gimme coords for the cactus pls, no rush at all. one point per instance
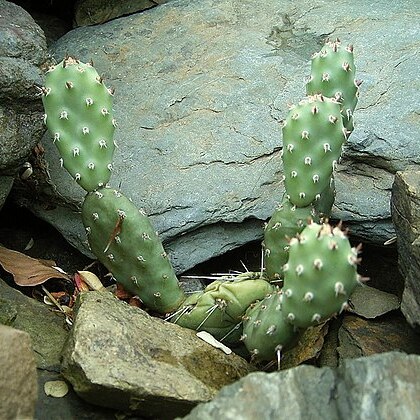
(333, 75)
(266, 333)
(124, 241)
(313, 135)
(286, 222)
(320, 275)
(220, 307)
(78, 114)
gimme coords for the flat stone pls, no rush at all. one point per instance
(199, 101)
(360, 337)
(18, 380)
(369, 302)
(120, 357)
(375, 387)
(405, 207)
(46, 329)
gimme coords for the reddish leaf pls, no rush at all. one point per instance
(27, 271)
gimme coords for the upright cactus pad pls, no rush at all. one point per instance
(78, 114)
(333, 75)
(124, 240)
(220, 307)
(266, 333)
(320, 275)
(285, 223)
(313, 136)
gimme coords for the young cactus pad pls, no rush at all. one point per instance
(220, 307)
(313, 136)
(333, 75)
(320, 275)
(266, 333)
(124, 241)
(78, 114)
(286, 221)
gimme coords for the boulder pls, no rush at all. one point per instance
(379, 386)
(18, 380)
(22, 53)
(406, 216)
(93, 12)
(45, 328)
(200, 93)
(120, 357)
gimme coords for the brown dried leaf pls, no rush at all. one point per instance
(27, 271)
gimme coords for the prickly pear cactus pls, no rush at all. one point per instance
(285, 223)
(266, 333)
(320, 275)
(78, 114)
(125, 242)
(220, 307)
(333, 75)
(313, 136)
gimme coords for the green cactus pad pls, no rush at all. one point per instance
(286, 222)
(220, 307)
(333, 75)
(320, 275)
(78, 114)
(313, 136)
(266, 333)
(124, 241)
(324, 205)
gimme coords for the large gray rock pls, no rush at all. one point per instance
(406, 217)
(18, 380)
(118, 356)
(22, 52)
(200, 90)
(45, 328)
(384, 386)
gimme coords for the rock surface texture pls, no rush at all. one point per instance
(22, 52)
(120, 357)
(384, 386)
(406, 216)
(46, 329)
(18, 380)
(201, 88)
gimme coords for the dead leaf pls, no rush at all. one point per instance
(27, 271)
